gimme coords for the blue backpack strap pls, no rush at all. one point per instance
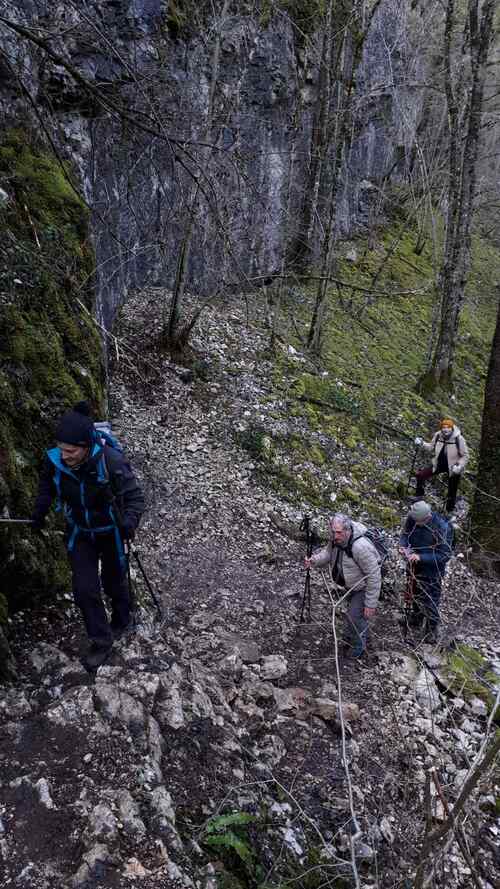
(103, 476)
(103, 435)
(54, 456)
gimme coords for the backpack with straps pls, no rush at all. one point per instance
(378, 541)
(102, 437)
(449, 532)
(380, 544)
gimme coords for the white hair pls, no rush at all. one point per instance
(341, 518)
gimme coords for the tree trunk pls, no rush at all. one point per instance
(486, 507)
(464, 140)
(174, 335)
(300, 249)
(351, 43)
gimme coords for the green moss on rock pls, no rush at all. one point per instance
(468, 672)
(50, 351)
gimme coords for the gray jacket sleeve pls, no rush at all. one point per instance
(323, 556)
(368, 563)
(463, 451)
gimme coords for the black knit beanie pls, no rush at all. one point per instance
(75, 427)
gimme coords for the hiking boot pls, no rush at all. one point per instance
(97, 655)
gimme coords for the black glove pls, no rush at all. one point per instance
(127, 529)
(37, 524)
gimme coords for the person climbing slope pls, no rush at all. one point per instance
(426, 544)
(103, 504)
(355, 565)
(450, 455)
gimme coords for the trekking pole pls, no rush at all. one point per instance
(146, 580)
(411, 470)
(119, 508)
(306, 597)
(131, 591)
(17, 521)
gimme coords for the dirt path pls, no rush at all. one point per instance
(193, 717)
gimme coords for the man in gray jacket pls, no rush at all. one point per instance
(355, 564)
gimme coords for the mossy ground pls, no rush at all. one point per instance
(359, 401)
(470, 676)
(50, 353)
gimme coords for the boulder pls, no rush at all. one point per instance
(426, 691)
(273, 666)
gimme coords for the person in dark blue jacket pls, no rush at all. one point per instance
(103, 504)
(426, 543)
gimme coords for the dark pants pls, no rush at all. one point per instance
(356, 630)
(84, 559)
(425, 600)
(422, 475)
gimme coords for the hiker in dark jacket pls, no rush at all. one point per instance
(426, 545)
(102, 504)
(450, 455)
(354, 563)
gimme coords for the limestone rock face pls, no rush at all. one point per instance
(267, 79)
(135, 164)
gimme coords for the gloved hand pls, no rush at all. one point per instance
(456, 469)
(37, 523)
(419, 441)
(127, 529)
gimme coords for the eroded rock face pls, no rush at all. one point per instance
(136, 181)
(137, 163)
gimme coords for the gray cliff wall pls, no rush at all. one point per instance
(139, 186)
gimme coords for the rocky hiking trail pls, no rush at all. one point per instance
(229, 706)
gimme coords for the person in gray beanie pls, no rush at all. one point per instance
(426, 544)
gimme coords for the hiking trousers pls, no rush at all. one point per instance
(426, 599)
(85, 557)
(422, 475)
(356, 629)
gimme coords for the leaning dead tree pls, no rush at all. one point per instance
(466, 48)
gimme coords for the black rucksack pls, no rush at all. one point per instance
(449, 532)
(377, 539)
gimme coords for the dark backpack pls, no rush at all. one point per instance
(377, 539)
(449, 532)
